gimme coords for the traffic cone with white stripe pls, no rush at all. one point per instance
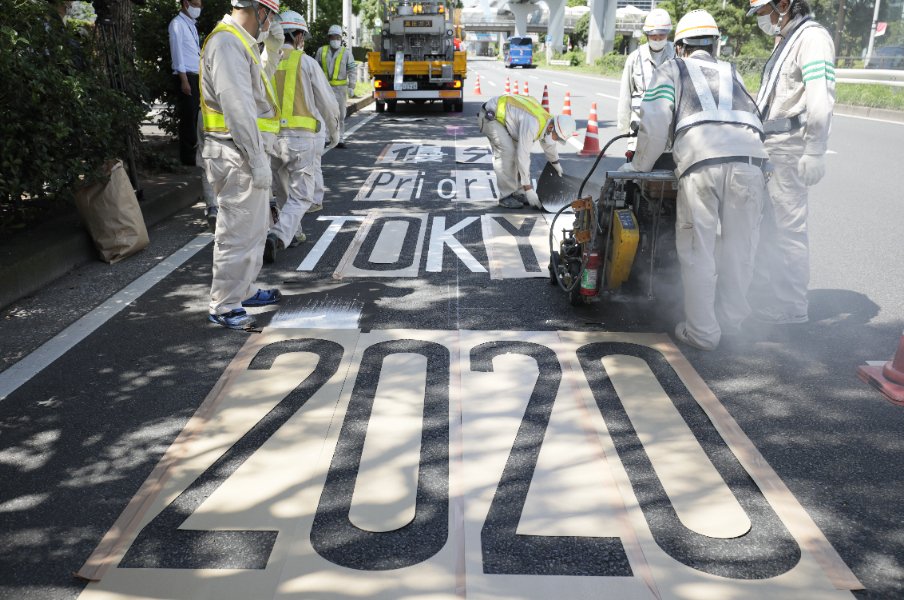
(508, 87)
(517, 93)
(477, 86)
(526, 92)
(888, 378)
(566, 109)
(591, 138)
(545, 101)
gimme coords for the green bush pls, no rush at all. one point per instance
(61, 119)
(612, 64)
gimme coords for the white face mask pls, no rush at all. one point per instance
(656, 45)
(194, 12)
(334, 44)
(764, 22)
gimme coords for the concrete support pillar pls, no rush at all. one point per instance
(555, 34)
(601, 34)
(521, 12)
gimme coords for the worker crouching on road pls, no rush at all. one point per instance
(240, 116)
(718, 149)
(512, 124)
(639, 67)
(307, 108)
(796, 100)
(338, 65)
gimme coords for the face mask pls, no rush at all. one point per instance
(194, 12)
(764, 22)
(334, 44)
(656, 45)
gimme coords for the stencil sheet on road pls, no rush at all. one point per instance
(446, 464)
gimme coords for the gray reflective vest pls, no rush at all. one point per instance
(709, 95)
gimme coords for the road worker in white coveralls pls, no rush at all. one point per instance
(338, 65)
(796, 100)
(639, 68)
(307, 109)
(512, 124)
(240, 116)
(700, 106)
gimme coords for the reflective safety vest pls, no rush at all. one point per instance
(709, 95)
(294, 112)
(526, 103)
(213, 119)
(324, 62)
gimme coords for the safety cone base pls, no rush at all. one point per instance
(872, 376)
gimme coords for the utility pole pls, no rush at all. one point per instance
(839, 26)
(872, 35)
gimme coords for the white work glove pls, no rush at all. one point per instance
(351, 93)
(532, 198)
(557, 167)
(628, 168)
(811, 168)
(261, 177)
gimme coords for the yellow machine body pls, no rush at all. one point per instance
(623, 248)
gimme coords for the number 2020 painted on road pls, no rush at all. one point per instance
(767, 550)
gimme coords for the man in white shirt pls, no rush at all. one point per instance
(339, 67)
(185, 51)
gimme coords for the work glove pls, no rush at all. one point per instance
(261, 177)
(811, 168)
(557, 168)
(532, 198)
(628, 167)
(351, 93)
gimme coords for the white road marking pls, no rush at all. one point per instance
(868, 119)
(18, 374)
(325, 240)
(388, 247)
(607, 96)
(559, 83)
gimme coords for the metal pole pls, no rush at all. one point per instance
(872, 34)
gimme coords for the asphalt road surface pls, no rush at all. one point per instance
(424, 416)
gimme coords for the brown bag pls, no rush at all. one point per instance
(111, 213)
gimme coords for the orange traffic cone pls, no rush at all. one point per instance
(566, 109)
(591, 138)
(477, 86)
(526, 92)
(508, 88)
(517, 93)
(545, 101)
(889, 378)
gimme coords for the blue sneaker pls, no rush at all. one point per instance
(234, 319)
(263, 298)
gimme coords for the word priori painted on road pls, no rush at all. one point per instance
(406, 185)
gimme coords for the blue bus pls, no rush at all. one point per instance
(518, 52)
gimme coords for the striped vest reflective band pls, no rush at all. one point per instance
(526, 103)
(709, 95)
(294, 112)
(213, 119)
(324, 60)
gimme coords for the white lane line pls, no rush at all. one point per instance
(356, 127)
(21, 372)
(838, 114)
(607, 96)
(492, 83)
(559, 83)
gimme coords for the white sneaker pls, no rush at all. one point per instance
(682, 335)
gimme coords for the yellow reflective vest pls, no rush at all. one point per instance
(526, 103)
(294, 112)
(213, 119)
(324, 62)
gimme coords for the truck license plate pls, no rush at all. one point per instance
(408, 85)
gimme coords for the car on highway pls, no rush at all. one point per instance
(887, 57)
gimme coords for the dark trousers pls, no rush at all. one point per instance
(187, 109)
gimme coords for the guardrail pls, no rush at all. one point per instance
(870, 76)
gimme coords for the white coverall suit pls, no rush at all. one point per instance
(296, 170)
(231, 84)
(341, 80)
(796, 100)
(512, 142)
(636, 77)
(719, 156)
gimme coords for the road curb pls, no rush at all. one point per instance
(358, 104)
(883, 114)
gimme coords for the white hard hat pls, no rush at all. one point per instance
(756, 4)
(697, 24)
(564, 126)
(292, 21)
(271, 4)
(334, 30)
(658, 21)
